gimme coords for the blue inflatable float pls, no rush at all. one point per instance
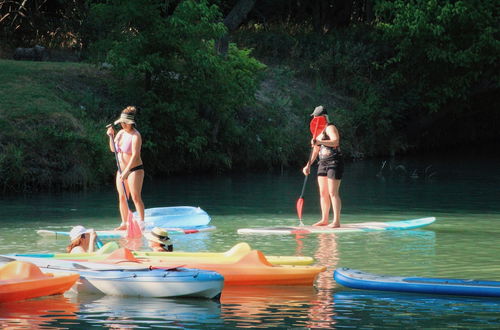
(175, 217)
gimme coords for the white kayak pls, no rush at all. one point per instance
(117, 234)
(134, 280)
(344, 228)
(160, 283)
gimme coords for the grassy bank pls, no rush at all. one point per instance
(51, 126)
(53, 114)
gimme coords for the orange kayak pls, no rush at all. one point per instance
(252, 269)
(21, 280)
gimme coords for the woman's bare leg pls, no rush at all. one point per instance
(324, 199)
(333, 189)
(135, 181)
(122, 203)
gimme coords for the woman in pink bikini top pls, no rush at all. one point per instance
(128, 143)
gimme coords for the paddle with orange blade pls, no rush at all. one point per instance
(317, 125)
(133, 228)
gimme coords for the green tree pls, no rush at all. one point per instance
(190, 95)
(445, 53)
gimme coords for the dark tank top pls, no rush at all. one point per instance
(327, 154)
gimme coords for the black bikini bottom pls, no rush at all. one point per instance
(137, 168)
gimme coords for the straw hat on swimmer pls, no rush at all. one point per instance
(158, 240)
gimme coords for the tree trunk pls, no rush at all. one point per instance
(232, 21)
(147, 81)
(342, 10)
(369, 11)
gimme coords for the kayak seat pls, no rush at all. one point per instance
(122, 254)
(255, 257)
(239, 249)
(108, 248)
(20, 270)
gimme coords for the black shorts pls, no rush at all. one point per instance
(333, 169)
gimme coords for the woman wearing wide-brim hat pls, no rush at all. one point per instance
(330, 169)
(158, 240)
(128, 143)
(81, 240)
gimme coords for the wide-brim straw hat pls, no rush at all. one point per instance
(126, 118)
(158, 235)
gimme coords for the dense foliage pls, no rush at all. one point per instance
(190, 95)
(418, 75)
(396, 75)
(445, 62)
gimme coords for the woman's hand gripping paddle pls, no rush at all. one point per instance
(317, 125)
(133, 228)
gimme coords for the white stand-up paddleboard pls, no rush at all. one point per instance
(344, 228)
(175, 219)
(116, 234)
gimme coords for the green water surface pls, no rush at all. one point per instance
(463, 194)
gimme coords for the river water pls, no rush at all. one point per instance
(461, 192)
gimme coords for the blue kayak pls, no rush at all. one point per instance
(175, 216)
(366, 281)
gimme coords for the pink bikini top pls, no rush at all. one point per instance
(125, 143)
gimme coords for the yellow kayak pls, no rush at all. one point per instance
(232, 255)
(252, 269)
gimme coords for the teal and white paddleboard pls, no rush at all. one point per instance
(347, 228)
(117, 234)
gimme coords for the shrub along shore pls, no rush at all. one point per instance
(218, 92)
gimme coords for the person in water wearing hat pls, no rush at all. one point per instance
(330, 169)
(159, 241)
(128, 143)
(82, 240)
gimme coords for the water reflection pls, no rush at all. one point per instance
(130, 312)
(380, 309)
(38, 313)
(288, 306)
(266, 306)
(322, 312)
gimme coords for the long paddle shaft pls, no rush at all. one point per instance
(317, 123)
